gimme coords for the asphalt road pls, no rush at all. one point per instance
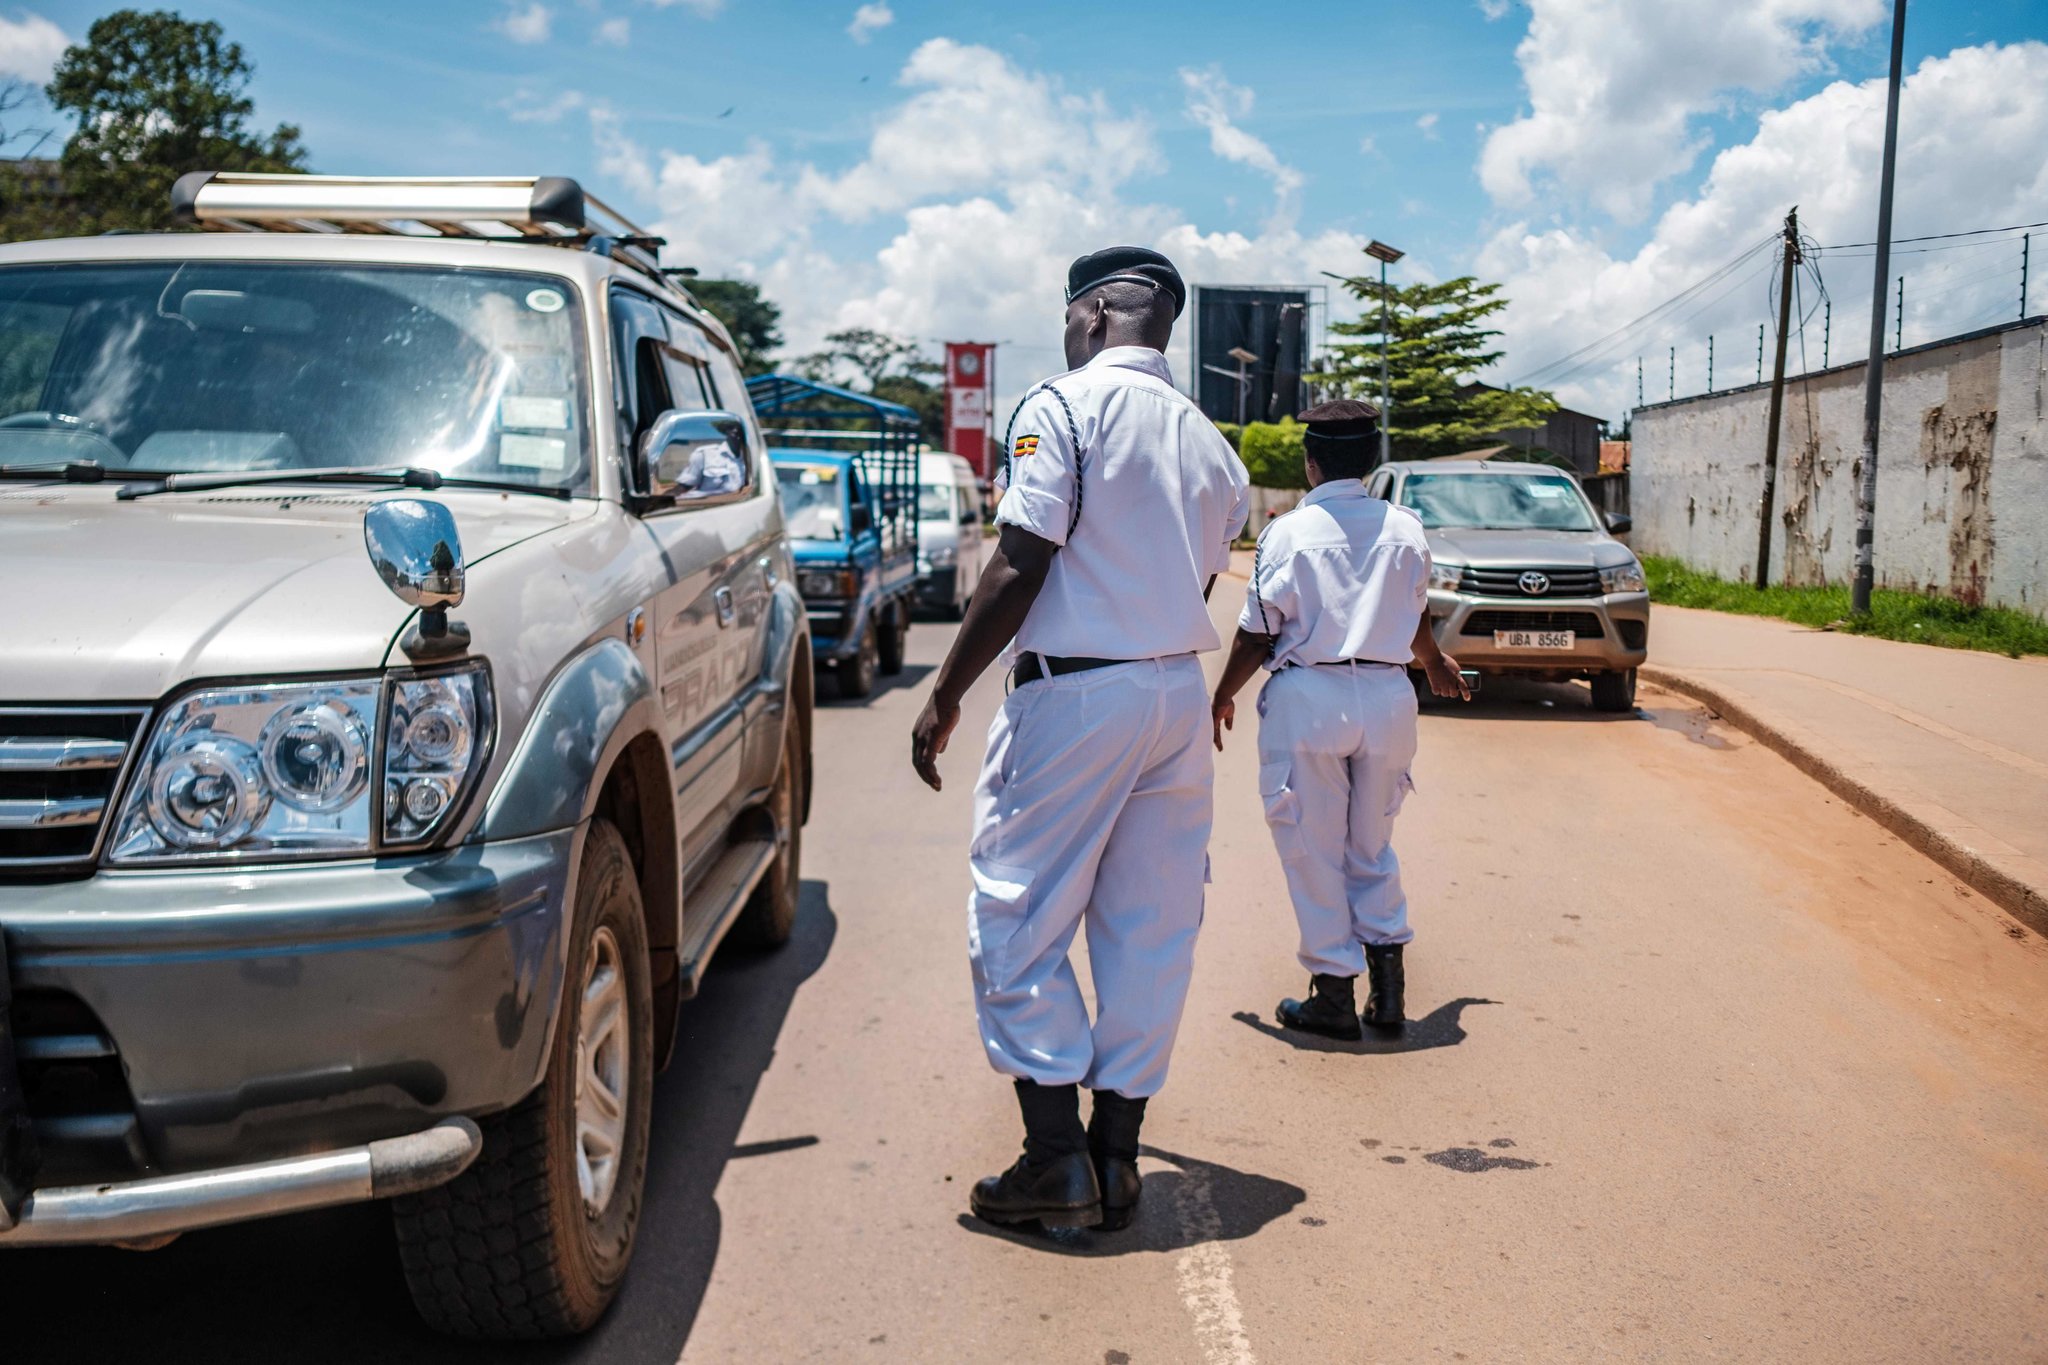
(1704, 1067)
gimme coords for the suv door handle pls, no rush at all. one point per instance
(723, 600)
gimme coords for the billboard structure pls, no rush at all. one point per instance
(970, 394)
(1251, 346)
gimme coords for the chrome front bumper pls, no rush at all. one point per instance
(163, 1206)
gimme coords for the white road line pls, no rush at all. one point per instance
(1205, 1276)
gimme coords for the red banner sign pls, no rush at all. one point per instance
(970, 394)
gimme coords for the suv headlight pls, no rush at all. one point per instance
(941, 556)
(1446, 577)
(298, 770)
(1626, 578)
(825, 584)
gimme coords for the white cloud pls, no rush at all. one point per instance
(1216, 104)
(618, 32)
(1971, 125)
(703, 8)
(525, 24)
(995, 178)
(1494, 9)
(30, 47)
(1615, 87)
(1427, 123)
(869, 20)
(527, 106)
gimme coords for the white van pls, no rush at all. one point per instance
(950, 549)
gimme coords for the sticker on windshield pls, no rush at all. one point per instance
(533, 410)
(533, 452)
(545, 300)
(1546, 490)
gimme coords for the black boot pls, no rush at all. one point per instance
(1330, 1010)
(1054, 1181)
(1385, 1008)
(1113, 1143)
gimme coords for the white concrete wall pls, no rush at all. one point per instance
(1962, 474)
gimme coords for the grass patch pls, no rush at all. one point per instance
(1916, 617)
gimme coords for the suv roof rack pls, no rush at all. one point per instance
(547, 210)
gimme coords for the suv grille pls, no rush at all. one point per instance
(1584, 624)
(59, 767)
(1508, 582)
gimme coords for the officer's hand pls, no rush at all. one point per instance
(928, 739)
(1444, 678)
(1223, 714)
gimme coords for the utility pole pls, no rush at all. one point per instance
(1386, 256)
(1763, 530)
(1873, 369)
(1710, 362)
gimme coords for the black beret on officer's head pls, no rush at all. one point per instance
(1342, 437)
(1137, 264)
(1343, 417)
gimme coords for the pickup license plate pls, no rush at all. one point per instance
(1533, 639)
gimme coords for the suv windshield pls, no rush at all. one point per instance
(234, 366)
(811, 504)
(935, 502)
(1498, 502)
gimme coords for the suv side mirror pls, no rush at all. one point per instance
(1618, 523)
(862, 518)
(692, 455)
(970, 517)
(414, 549)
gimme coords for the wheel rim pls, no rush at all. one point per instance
(603, 1066)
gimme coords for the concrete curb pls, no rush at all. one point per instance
(2025, 901)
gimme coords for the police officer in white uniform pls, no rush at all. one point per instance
(1336, 609)
(1094, 802)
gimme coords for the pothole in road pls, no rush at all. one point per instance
(1473, 1160)
(1695, 723)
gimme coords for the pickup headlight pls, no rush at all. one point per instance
(817, 583)
(297, 770)
(1446, 577)
(1626, 578)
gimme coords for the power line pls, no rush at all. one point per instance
(1942, 236)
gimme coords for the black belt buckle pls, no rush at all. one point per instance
(18, 1154)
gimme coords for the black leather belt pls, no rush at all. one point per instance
(1032, 667)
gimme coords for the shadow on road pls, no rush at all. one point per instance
(1195, 1202)
(1527, 699)
(325, 1287)
(1441, 1027)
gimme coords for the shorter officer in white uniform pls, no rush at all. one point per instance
(1336, 609)
(1096, 794)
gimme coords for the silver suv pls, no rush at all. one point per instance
(1528, 579)
(403, 692)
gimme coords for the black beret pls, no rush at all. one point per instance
(1342, 418)
(1138, 264)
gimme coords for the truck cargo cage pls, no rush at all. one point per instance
(547, 210)
(798, 413)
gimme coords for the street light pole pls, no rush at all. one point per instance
(1386, 256)
(1873, 368)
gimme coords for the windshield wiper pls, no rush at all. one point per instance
(71, 471)
(409, 476)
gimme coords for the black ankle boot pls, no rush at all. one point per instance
(1054, 1181)
(1113, 1143)
(1385, 1008)
(1331, 1009)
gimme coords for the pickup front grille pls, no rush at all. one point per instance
(1584, 624)
(59, 769)
(1508, 582)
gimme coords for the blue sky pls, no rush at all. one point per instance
(1597, 155)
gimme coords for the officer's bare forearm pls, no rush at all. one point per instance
(1247, 652)
(1424, 645)
(1002, 599)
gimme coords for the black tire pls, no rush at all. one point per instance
(510, 1248)
(770, 913)
(857, 675)
(1614, 691)
(890, 643)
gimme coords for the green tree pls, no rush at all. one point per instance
(887, 367)
(156, 95)
(1438, 341)
(1273, 454)
(755, 323)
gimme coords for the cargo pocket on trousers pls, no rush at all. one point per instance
(995, 914)
(1283, 810)
(1402, 791)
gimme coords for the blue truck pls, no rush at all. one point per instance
(846, 468)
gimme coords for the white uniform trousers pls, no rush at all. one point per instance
(1095, 801)
(1335, 745)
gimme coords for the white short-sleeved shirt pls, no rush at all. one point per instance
(1160, 496)
(1343, 576)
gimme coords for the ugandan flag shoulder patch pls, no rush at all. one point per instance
(1026, 445)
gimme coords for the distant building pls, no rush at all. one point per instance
(1614, 457)
(1574, 437)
